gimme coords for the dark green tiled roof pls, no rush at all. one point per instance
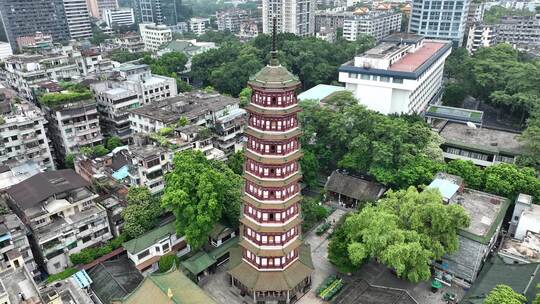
(146, 240)
(274, 76)
(523, 278)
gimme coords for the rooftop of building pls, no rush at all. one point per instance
(455, 114)
(527, 249)
(486, 211)
(522, 278)
(58, 225)
(114, 279)
(415, 56)
(19, 282)
(66, 291)
(146, 151)
(189, 105)
(320, 92)
(482, 139)
(38, 188)
(12, 174)
(149, 238)
(354, 187)
(112, 89)
(172, 286)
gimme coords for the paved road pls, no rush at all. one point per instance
(319, 254)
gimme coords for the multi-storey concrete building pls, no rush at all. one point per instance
(24, 71)
(231, 19)
(292, 16)
(272, 263)
(167, 12)
(113, 101)
(149, 87)
(331, 19)
(24, 18)
(77, 18)
(153, 36)
(520, 31)
(5, 50)
(15, 247)
(62, 215)
(476, 12)
(130, 42)
(402, 74)
(121, 16)
(486, 213)
(23, 132)
(481, 35)
(16, 283)
(229, 128)
(72, 126)
(37, 41)
(377, 24)
(434, 19)
(198, 25)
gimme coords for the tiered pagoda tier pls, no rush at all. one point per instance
(272, 264)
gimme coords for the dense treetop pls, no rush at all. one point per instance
(314, 61)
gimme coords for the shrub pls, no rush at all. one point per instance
(55, 99)
(166, 262)
(88, 255)
(62, 275)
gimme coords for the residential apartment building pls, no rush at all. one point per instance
(229, 129)
(91, 62)
(18, 282)
(113, 101)
(435, 19)
(476, 12)
(483, 146)
(24, 71)
(377, 24)
(23, 132)
(198, 25)
(62, 215)
(146, 250)
(120, 17)
(37, 41)
(153, 36)
(331, 19)
(402, 74)
(167, 12)
(149, 87)
(525, 217)
(231, 19)
(486, 213)
(520, 31)
(72, 126)
(78, 20)
(480, 35)
(5, 50)
(24, 18)
(14, 245)
(130, 42)
(292, 16)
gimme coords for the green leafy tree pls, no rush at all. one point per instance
(508, 180)
(113, 142)
(68, 161)
(471, 174)
(420, 170)
(338, 253)
(312, 213)
(141, 213)
(406, 230)
(183, 121)
(454, 94)
(531, 139)
(236, 162)
(245, 96)
(166, 262)
(310, 169)
(200, 193)
(503, 294)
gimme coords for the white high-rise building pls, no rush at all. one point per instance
(481, 35)
(402, 74)
(377, 24)
(198, 25)
(154, 35)
(121, 16)
(435, 19)
(293, 16)
(78, 19)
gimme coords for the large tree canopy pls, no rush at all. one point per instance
(314, 61)
(405, 230)
(200, 193)
(141, 212)
(503, 294)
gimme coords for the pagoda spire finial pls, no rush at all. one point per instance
(273, 53)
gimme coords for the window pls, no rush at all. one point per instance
(86, 239)
(397, 80)
(353, 75)
(365, 77)
(143, 254)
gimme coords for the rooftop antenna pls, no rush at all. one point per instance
(273, 53)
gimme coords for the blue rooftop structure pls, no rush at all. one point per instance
(82, 279)
(121, 173)
(446, 187)
(319, 92)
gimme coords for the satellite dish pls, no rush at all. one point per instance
(471, 125)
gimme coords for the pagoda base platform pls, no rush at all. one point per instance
(268, 287)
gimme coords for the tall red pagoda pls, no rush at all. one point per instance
(272, 264)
